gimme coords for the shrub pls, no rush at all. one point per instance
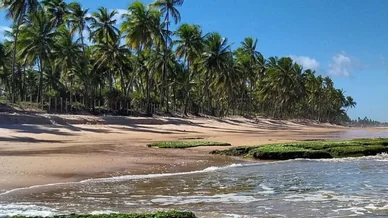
(186, 144)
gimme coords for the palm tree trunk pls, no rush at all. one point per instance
(187, 88)
(21, 83)
(83, 51)
(14, 59)
(85, 60)
(162, 88)
(167, 93)
(40, 79)
(165, 63)
(148, 105)
(71, 93)
(229, 100)
(8, 84)
(207, 94)
(148, 93)
(124, 90)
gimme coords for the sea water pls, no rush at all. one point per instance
(295, 188)
(348, 187)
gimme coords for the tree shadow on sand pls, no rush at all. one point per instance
(71, 150)
(27, 140)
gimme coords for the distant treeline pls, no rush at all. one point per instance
(366, 122)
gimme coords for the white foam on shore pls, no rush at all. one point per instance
(25, 210)
(356, 210)
(326, 196)
(380, 157)
(126, 178)
(100, 212)
(266, 190)
(204, 199)
(31, 210)
(151, 176)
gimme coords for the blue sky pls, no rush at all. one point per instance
(345, 39)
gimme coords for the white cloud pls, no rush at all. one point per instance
(306, 62)
(341, 65)
(86, 35)
(4, 28)
(2, 31)
(119, 15)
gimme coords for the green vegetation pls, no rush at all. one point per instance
(56, 48)
(169, 214)
(186, 144)
(366, 122)
(311, 150)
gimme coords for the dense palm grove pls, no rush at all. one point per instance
(59, 49)
(366, 122)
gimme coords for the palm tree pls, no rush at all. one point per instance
(278, 86)
(215, 59)
(189, 47)
(31, 83)
(4, 69)
(249, 46)
(37, 40)
(115, 56)
(77, 20)
(51, 56)
(16, 11)
(103, 25)
(68, 55)
(168, 8)
(142, 30)
(313, 91)
(252, 61)
(141, 26)
(15, 78)
(57, 10)
(105, 31)
(3, 56)
(350, 103)
(225, 81)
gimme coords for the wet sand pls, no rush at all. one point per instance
(43, 149)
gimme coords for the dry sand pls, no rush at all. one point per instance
(41, 149)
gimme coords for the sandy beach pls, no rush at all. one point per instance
(39, 149)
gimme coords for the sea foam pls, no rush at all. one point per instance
(25, 210)
(124, 178)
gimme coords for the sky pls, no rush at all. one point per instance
(344, 39)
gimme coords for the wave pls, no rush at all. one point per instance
(126, 178)
(151, 176)
(204, 199)
(380, 157)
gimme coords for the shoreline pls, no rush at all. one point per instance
(36, 154)
(126, 177)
